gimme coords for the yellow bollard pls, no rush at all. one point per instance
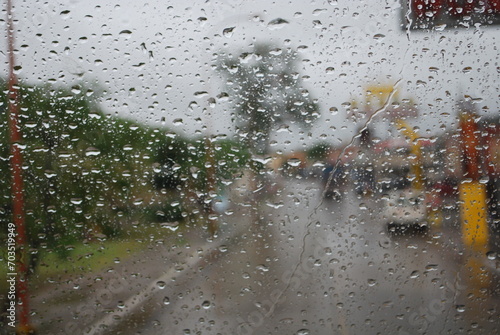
(473, 212)
(478, 281)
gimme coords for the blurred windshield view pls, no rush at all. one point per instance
(250, 167)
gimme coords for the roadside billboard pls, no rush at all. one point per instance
(445, 14)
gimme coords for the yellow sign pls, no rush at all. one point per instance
(474, 217)
(376, 96)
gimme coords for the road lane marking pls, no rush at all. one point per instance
(134, 302)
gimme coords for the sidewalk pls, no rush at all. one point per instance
(451, 230)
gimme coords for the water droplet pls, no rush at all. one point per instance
(294, 162)
(460, 308)
(128, 147)
(223, 97)
(228, 32)
(245, 57)
(18, 69)
(206, 304)
(178, 122)
(96, 116)
(277, 23)
(317, 24)
(287, 321)
(200, 94)
(166, 301)
(491, 255)
(91, 151)
(388, 303)
(76, 201)
(125, 32)
(173, 226)
(414, 274)
(484, 180)
(303, 332)
(319, 11)
(161, 285)
(275, 205)
(50, 174)
(212, 102)
(202, 20)
(372, 282)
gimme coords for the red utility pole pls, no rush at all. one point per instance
(17, 183)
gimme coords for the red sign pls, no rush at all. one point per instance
(430, 14)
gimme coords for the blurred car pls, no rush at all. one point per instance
(404, 208)
(364, 180)
(334, 180)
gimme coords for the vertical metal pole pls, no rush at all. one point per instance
(17, 182)
(211, 185)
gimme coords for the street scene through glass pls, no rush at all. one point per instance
(250, 167)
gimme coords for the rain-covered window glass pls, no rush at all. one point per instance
(250, 167)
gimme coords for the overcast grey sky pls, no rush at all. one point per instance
(151, 57)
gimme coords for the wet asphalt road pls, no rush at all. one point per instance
(303, 266)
